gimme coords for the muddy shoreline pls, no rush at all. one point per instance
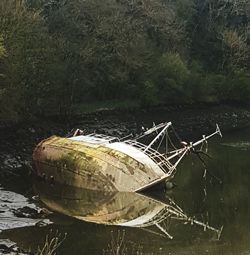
(18, 142)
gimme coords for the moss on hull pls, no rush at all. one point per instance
(90, 166)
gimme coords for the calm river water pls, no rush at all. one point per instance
(185, 220)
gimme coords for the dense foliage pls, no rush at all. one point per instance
(59, 54)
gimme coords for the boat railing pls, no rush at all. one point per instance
(153, 154)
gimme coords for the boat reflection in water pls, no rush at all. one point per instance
(127, 209)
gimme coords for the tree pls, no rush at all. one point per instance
(213, 26)
(23, 35)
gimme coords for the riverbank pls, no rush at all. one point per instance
(190, 121)
(18, 142)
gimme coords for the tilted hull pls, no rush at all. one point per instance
(99, 162)
(94, 167)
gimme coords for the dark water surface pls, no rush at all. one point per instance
(184, 220)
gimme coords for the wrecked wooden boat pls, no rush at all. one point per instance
(100, 162)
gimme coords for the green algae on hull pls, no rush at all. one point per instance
(94, 167)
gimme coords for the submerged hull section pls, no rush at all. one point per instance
(94, 166)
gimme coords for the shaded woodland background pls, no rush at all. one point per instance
(59, 57)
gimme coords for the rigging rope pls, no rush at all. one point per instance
(171, 142)
(161, 142)
(166, 145)
(176, 134)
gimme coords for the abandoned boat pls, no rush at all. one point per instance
(100, 162)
